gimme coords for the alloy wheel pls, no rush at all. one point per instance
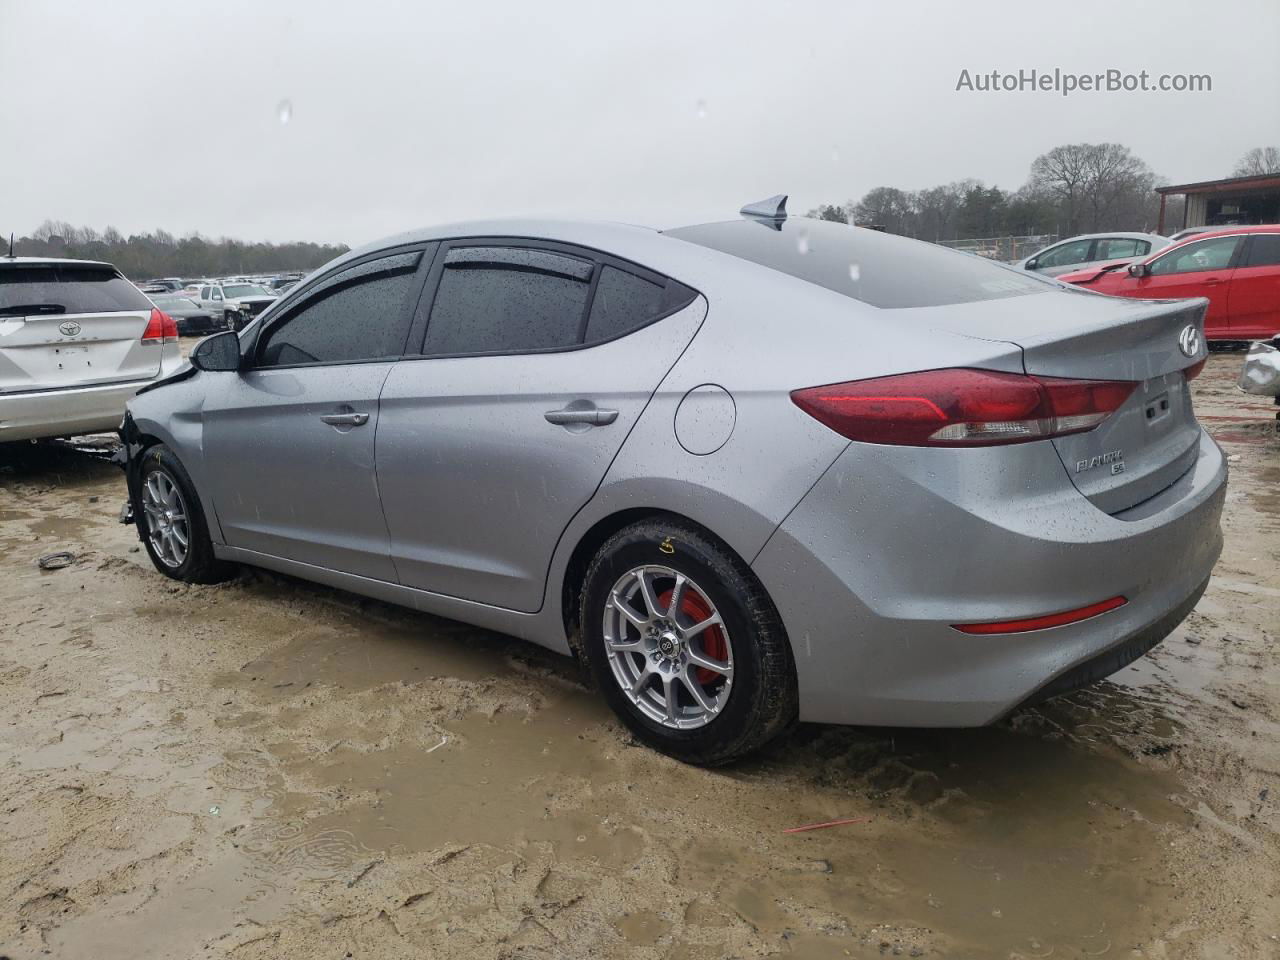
(167, 526)
(668, 647)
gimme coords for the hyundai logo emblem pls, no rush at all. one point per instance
(1189, 340)
(69, 329)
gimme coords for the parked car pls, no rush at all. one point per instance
(191, 318)
(1260, 374)
(238, 302)
(76, 341)
(171, 284)
(1237, 269)
(744, 482)
(1077, 252)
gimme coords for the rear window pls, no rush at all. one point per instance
(875, 268)
(66, 288)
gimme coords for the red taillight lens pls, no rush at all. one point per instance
(962, 408)
(1042, 623)
(161, 328)
(1195, 369)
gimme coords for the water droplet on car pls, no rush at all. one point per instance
(855, 272)
(802, 242)
(700, 107)
(284, 111)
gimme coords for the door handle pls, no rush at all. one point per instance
(345, 419)
(593, 416)
(1211, 281)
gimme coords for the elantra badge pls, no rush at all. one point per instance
(69, 329)
(1189, 340)
(1113, 457)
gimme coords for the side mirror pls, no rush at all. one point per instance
(1138, 269)
(218, 352)
(1031, 264)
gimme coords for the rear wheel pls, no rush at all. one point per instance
(232, 319)
(172, 521)
(687, 647)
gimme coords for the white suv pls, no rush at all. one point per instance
(77, 340)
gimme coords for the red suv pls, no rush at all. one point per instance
(1237, 268)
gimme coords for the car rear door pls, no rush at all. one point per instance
(65, 324)
(536, 361)
(1200, 269)
(289, 440)
(1253, 300)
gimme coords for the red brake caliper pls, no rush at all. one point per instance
(696, 609)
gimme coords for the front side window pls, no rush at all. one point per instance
(1118, 249)
(507, 300)
(358, 314)
(1212, 254)
(1075, 252)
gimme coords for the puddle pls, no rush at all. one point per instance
(496, 781)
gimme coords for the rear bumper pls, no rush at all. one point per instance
(894, 545)
(61, 413)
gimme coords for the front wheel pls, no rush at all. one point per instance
(685, 643)
(232, 319)
(172, 521)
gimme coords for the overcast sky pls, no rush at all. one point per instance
(145, 115)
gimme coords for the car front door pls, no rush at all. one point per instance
(1200, 269)
(289, 440)
(537, 362)
(1253, 301)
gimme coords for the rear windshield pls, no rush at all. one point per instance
(66, 288)
(876, 268)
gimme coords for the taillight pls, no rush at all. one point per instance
(161, 328)
(1195, 369)
(962, 408)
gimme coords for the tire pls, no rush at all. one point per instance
(170, 511)
(232, 319)
(752, 689)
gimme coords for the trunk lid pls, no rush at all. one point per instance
(68, 324)
(1153, 438)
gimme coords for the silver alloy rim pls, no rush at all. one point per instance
(167, 525)
(659, 652)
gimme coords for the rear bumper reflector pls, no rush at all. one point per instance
(1045, 622)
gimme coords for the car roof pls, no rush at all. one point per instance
(1232, 231)
(56, 260)
(1112, 235)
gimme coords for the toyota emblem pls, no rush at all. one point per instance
(1189, 340)
(69, 329)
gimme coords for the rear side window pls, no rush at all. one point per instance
(1264, 251)
(357, 314)
(29, 289)
(1117, 248)
(623, 302)
(508, 299)
(876, 268)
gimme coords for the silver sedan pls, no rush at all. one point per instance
(750, 472)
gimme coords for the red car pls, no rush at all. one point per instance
(1237, 268)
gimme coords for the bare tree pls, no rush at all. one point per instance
(1258, 162)
(1096, 186)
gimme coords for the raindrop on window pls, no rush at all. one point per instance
(701, 108)
(802, 242)
(284, 111)
(855, 272)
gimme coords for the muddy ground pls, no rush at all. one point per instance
(273, 769)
